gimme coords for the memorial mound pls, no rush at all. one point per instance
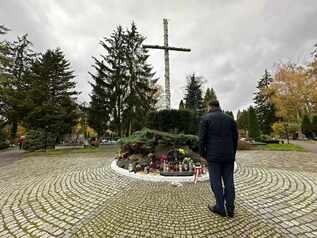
(167, 154)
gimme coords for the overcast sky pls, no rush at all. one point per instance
(232, 41)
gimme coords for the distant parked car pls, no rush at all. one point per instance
(112, 142)
(108, 142)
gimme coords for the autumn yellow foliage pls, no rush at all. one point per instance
(294, 91)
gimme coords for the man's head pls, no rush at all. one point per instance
(213, 106)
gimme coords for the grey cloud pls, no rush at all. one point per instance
(232, 41)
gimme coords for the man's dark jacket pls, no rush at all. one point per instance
(218, 137)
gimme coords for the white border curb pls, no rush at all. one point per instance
(156, 178)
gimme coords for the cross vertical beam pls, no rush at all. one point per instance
(167, 66)
(166, 49)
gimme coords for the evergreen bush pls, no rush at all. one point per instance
(254, 131)
(314, 125)
(307, 127)
(39, 140)
(144, 141)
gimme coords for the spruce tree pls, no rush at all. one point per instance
(253, 126)
(181, 105)
(99, 111)
(141, 86)
(243, 120)
(112, 69)
(52, 95)
(238, 115)
(210, 95)
(22, 57)
(265, 109)
(4, 76)
(193, 98)
(130, 90)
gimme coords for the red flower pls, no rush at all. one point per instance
(163, 158)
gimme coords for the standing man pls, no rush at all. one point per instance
(218, 144)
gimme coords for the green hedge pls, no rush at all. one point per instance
(176, 121)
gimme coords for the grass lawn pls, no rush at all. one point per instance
(90, 150)
(281, 147)
(113, 149)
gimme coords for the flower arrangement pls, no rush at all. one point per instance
(182, 151)
(151, 151)
(163, 158)
(187, 160)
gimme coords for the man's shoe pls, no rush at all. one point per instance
(230, 214)
(216, 211)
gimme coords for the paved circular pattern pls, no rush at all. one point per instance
(80, 196)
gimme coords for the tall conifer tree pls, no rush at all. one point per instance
(253, 126)
(193, 98)
(22, 57)
(181, 105)
(99, 111)
(210, 95)
(264, 107)
(307, 126)
(129, 89)
(243, 119)
(141, 86)
(51, 97)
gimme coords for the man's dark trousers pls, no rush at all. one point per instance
(222, 173)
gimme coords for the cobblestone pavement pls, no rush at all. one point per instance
(9, 156)
(310, 146)
(78, 195)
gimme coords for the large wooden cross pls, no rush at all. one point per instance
(166, 49)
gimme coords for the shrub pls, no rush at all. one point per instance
(3, 141)
(268, 139)
(307, 127)
(38, 140)
(123, 163)
(177, 121)
(314, 124)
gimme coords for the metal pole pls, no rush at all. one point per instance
(167, 67)
(45, 146)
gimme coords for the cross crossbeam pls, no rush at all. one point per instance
(166, 49)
